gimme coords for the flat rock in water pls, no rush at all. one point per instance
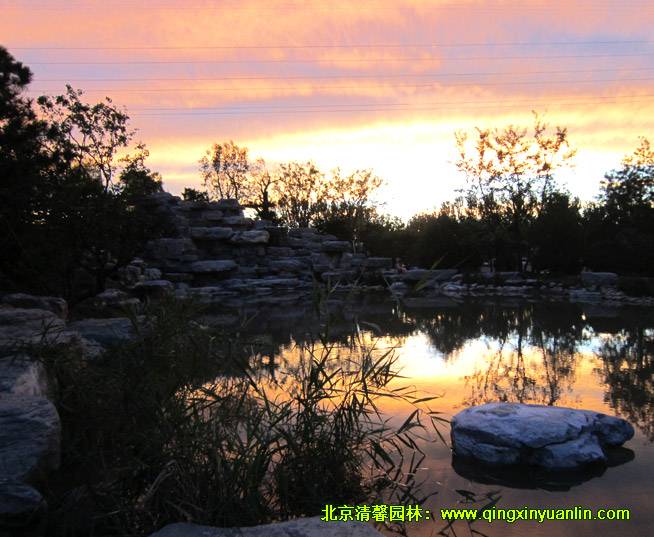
(30, 433)
(303, 527)
(503, 434)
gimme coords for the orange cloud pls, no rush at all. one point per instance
(296, 79)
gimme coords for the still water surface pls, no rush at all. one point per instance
(579, 356)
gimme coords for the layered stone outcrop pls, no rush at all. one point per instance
(30, 429)
(217, 254)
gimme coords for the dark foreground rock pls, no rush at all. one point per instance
(503, 434)
(303, 527)
(22, 508)
(534, 477)
(29, 439)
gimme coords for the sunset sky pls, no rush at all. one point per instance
(367, 84)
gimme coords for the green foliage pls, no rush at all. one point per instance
(620, 228)
(168, 427)
(224, 169)
(556, 236)
(64, 218)
(136, 179)
(510, 177)
(456, 242)
(90, 134)
(629, 190)
(191, 194)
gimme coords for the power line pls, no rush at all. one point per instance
(599, 99)
(336, 60)
(348, 76)
(340, 46)
(518, 6)
(235, 113)
(377, 86)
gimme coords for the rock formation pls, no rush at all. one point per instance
(555, 438)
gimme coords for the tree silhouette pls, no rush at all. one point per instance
(224, 169)
(510, 176)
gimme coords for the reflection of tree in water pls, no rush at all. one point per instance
(628, 372)
(532, 348)
(535, 358)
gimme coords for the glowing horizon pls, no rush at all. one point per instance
(375, 85)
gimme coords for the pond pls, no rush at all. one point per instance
(581, 356)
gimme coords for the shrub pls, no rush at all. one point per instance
(168, 427)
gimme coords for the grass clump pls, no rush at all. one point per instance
(176, 426)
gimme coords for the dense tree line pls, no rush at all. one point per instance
(71, 177)
(513, 215)
(67, 199)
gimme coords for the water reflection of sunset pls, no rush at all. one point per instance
(530, 353)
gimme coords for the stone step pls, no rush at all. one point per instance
(290, 264)
(255, 236)
(213, 266)
(333, 246)
(23, 324)
(56, 305)
(214, 233)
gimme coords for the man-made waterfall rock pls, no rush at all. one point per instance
(211, 233)
(21, 375)
(104, 331)
(599, 279)
(29, 439)
(555, 438)
(154, 288)
(213, 266)
(56, 305)
(303, 527)
(255, 236)
(21, 323)
(379, 263)
(107, 303)
(336, 246)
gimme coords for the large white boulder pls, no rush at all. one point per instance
(502, 434)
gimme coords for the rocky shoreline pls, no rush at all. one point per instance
(226, 261)
(217, 256)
